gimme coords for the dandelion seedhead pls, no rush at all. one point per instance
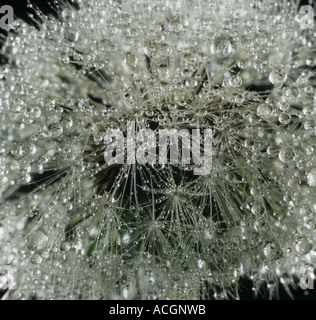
(76, 226)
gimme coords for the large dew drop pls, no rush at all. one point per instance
(37, 241)
(278, 77)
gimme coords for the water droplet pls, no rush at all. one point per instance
(36, 259)
(55, 130)
(130, 59)
(257, 210)
(243, 64)
(37, 241)
(235, 81)
(65, 59)
(303, 246)
(311, 178)
(278, 77)
(294, 182)
(285, 155)
(309, 125)
(264, 110)
(272, 151)
(284, 118)
(305, 210)
(201, 264)
(283, 106)
(67, 122)
(311, 224)
(270, 250)
(176, 25)
(64, 246)
(221, 46)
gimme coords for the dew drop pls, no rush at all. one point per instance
(270, 250)
(285, 155)
(283, 106)
(36, 259)
(278, 77)
(264, 110)
(64, 246)
(201, 264)
(311, 178)
(130, 59)
(235, 81)
(65, 60)
(309, 125)
(37, 241)
(284, 118)
(221, 46)
(55, 130)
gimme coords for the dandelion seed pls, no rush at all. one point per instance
(83, 227)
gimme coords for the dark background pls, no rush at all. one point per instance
(245, 285)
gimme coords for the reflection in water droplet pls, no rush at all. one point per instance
(278, 77)
(284, 118)
(235, 81)
(37, 241)
(130, 59)
(264, 110)
(311, 178)
(221, 46)
(285, 155)
(55, 130)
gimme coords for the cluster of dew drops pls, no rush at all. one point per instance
(72, 226)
